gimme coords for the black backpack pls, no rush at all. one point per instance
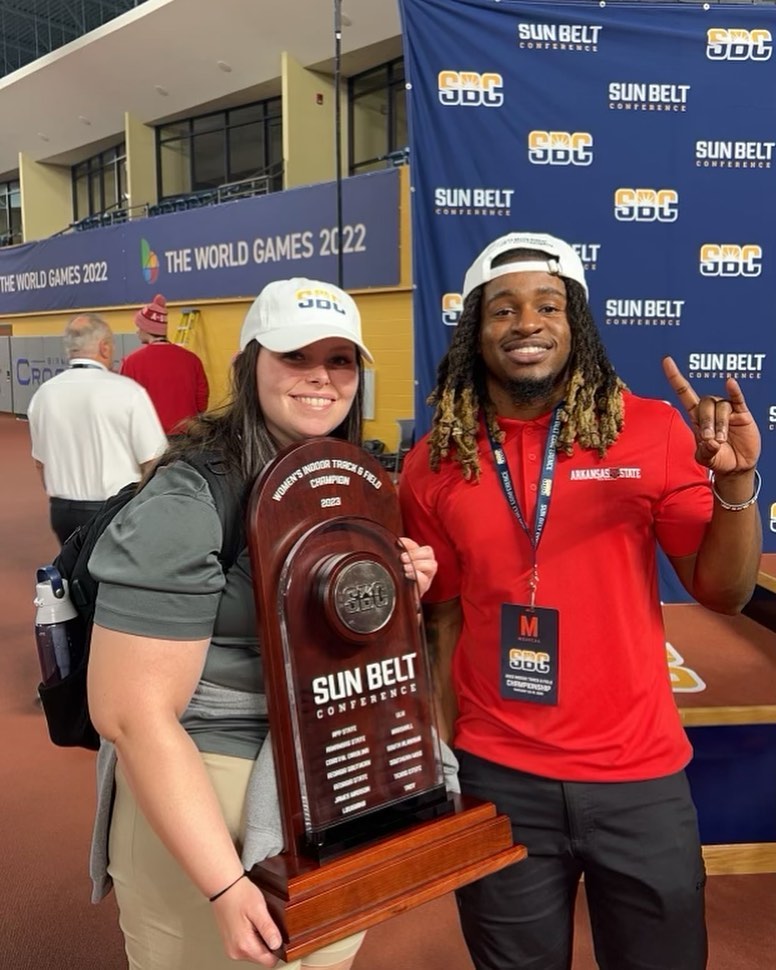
(65, 703)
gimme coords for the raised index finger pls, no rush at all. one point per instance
(680, 384)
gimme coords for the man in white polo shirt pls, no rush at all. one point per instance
(92, 431)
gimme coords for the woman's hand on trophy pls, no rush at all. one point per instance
(246, 927)
(419, 563)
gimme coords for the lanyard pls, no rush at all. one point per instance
(543, 498)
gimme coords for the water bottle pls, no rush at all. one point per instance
(53, 619)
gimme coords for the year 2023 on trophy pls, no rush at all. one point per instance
(369, 829)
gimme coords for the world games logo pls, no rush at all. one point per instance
(149, 262)
(646, 205)
(738, 44)
(452, 305)
(560, 148)
(730, 259)
(469, 89)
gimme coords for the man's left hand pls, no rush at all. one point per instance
(727, 438)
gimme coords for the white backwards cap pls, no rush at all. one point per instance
(561, 260)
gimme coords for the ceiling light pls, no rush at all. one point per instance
(160, 90)
(42, 136)
(346, 21)
(226, 68)
(84, 120)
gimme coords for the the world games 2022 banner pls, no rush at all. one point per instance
(644, 135)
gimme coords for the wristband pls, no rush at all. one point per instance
(742, 505)
(215, 896)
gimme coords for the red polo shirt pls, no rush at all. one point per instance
(615, 718)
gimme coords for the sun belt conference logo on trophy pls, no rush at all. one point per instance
(560, 147)
(559, 37)
(738, 44)
(470, 89)
(452, 305)
(646, 205)
(731, 259)
(149, 262)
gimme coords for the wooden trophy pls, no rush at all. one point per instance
(369, 830)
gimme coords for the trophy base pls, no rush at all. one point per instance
(316, 903)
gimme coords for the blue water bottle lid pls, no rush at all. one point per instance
(52, 575)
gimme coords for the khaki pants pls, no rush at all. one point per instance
(166, 922)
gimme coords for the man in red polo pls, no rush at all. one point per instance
(545, 488)
(173, 376)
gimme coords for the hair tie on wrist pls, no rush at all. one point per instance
(742, 505)
(215, 896)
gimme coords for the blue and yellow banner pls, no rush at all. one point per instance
(228, 250)
(644, 135)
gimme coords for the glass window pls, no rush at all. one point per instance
(10, 214)
(209, 157)
(219, 148)
(246, 151)
(97, 184)
(378, 118)
(175, 167)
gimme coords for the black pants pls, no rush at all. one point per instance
(67, 515)
(637, 844)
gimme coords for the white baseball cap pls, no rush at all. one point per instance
(562, 260)
(289, 314)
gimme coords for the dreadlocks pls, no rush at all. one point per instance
(591, 414)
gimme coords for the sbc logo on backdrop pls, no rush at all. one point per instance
(773, 517)
(772, 418)
(560, 148)
(646, 205)
(738, 44)
(452, 305)
(730, 259)
(588, 253)
(469, 89)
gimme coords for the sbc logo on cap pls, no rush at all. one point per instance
(452, 305)
(560, 148)
(318, 300)
(737, 44)
(470, 89)
(646, 205)
(729, 259)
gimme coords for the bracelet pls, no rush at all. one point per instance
(215, 896)
(743, 505)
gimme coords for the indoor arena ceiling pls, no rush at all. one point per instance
(159, 59)
(31, 28)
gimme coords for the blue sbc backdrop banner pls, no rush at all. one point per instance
(226, 250)
(644, 135)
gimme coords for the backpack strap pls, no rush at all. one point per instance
(229, 501)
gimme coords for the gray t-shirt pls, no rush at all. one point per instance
(159, 574)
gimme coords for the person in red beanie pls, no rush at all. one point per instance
(173, 376)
